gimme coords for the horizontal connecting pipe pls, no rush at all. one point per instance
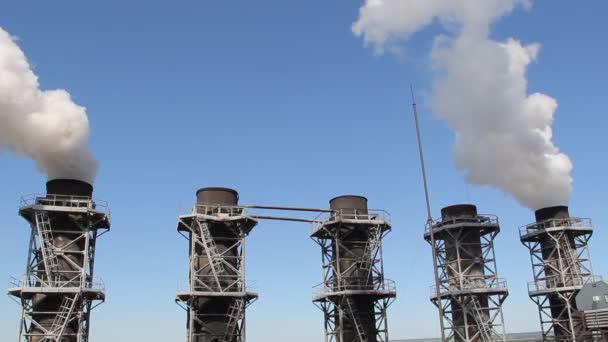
(283, 218)
(274, 207)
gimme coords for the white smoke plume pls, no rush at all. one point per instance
(44, 125)
(503, 135)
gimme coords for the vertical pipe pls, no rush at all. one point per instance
(429, 220)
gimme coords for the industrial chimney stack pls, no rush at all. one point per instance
(216, 297)
(470, 292)
(354, 294)
(58, 290)
(561, 266)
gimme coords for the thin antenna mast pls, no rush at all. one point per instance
(429, 220)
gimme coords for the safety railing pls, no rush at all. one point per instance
(204, 337)
(64, 201)
(570, 223)
(471, 284)
(234, 287)
(350, 214)
(479, 220)
(218, 210)
(326, 288)
(33, 281)
(561, 281)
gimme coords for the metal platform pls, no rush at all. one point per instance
(96, 212)
(217, 213)
(575, 226)
(495, 286)
(324, 222)
(486, 224)
(28, 293)
(544, 287)
(186, 295)
(387, 289)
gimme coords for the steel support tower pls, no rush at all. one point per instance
(354, 295)
(217, 295)
(561, 266)
(58, 292)
(470, 292)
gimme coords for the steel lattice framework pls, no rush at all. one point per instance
(354, 295)
(217, 295)
(58, 292)
(561, 266)
(471, 293)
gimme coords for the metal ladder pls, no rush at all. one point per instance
(571, 263)
(367, 260)
(51, 263)
(485, 332)
(68, 304)
(215, 260)
(356, 320)
(234, 316)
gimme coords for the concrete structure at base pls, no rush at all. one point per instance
(58, 290)
(470, 292)
(592, 302)
(561, 266)
(354, 294)
(217, 295)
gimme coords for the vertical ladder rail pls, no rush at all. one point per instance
(215, 260)
(234, 316)
(367, 260)
(51, 263)
(485, 331)
(571, 263)
(68, 304)
(356, 320)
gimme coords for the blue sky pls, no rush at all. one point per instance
(280, 101)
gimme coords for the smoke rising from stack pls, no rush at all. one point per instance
(503, 135)
(44, 125)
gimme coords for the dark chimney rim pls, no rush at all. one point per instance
(71, 187)
(552, 212)
(460, 205)
(70, 180)
(459, 211)
(348, 196)
(215, 188)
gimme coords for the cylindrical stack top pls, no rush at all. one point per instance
(349, 207)
(217, 196)
(549, 213)
(348, 202)
(458, 211)
(69, 187)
